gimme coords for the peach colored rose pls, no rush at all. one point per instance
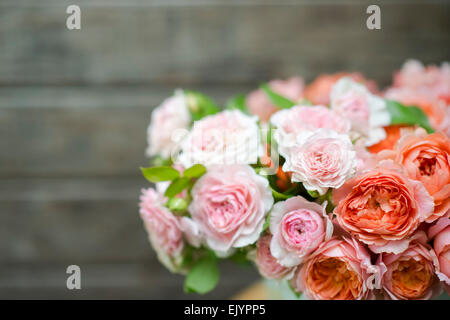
(320, 159)
(319, 90)
(337, 270)
(229, 137)
(172, 115)
(259, 104)
(290, 122)
(426, 158)
(382, 207)
(229, 205)
(410, 275)
(267, 265)
(440, 232)
(164, 230)
(298, 227)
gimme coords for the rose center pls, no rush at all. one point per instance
(331, 278)
(412, 278)
(427, 166)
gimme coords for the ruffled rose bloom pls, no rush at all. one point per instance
(368, 113)
(415, 75)
(382, 207)
(320, 159)
(229, 137)
(167, 119)
(290, 122)
(319, 90)
(440, 232)
(259, 104)
(267, 265)
(298, 227)
(426, 158)
(229, 204)
(337, 270)
(164, 229)
(410, 275)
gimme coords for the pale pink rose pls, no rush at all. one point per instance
(337, 270)
(290, 122)
(367, 112)
(410, 275)
(298, 227)
(260, 105)
(267, 265)
(163, 228)
(382, 207)
(415, 75)
(167, 119)
(320, 159)
(440, 231)
(229, 137)
(191, 232)
(229, 205)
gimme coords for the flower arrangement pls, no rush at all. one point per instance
(338, 188)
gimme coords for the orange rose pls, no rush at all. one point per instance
(382, 207)
(393, 133)
(426, 158)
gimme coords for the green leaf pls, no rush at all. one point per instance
(203, 276)
(177, 204)
(237, 103)
(240, 257)
(196, 171)
(158, 174)
(313, 193)
(280, 196)
(266, 223)
(177, 186)
(276, 99)
(200, 105)
(412, 115)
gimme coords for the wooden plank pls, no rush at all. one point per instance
(113, 281)
(182, 44)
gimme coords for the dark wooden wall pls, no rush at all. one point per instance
(74, 106)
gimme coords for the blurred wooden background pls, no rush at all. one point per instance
(74, 107)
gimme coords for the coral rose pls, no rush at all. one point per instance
(320, 159)
(172, 115)
(164, 229)
(259, 104)
(267, 265)
(229, 205)
(298, 227)
(426, 158)
(440, 231)
(337, 270)
(410, 275)
(229, 137)
(382, 207)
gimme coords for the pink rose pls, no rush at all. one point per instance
(382, 207)
(298, 227)
(229, 204)
(163, 228)
(267, 265)
(337, 270)
(320, 159)
(367, 112)
(410, 275)
(290, 122)
(229, 137)
(440, 231)
(171, 116)
(259, 104)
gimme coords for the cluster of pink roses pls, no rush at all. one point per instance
(359, 207)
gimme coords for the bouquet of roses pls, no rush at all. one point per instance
(338, 188)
